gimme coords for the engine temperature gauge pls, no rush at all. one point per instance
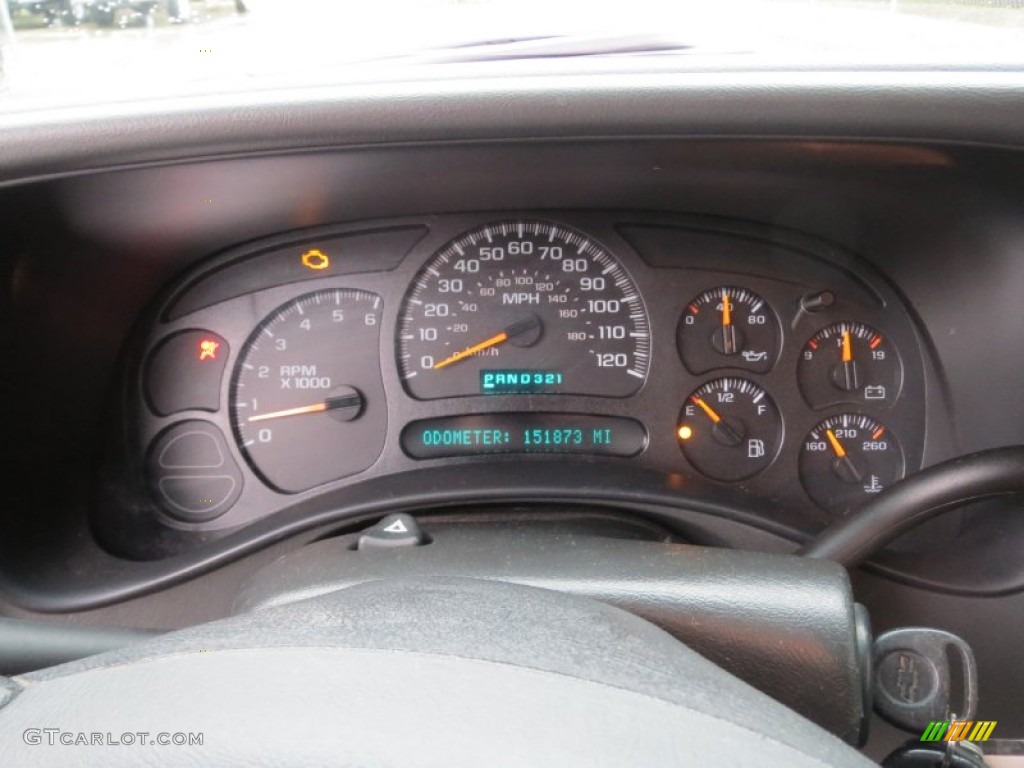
(728, 327)
(847, 459)
(730, 429)
(849, 363)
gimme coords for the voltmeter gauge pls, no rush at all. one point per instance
(849, 363)
(728, 327)
(729, 429)
(848, 459)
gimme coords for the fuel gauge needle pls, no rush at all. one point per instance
(707, 409)
(722, 430)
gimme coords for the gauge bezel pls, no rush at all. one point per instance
(684, 333)
(807, 482)
(370, 386)
(668, 256)
(437, 267)
(777, 424)
(837, 397)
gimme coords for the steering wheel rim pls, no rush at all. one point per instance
(414, 673)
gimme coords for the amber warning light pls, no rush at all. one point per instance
(315, 260)
(208, 349)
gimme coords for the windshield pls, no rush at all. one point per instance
(84, 51)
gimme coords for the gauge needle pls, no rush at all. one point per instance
(516, 329)
(707, 409)
(344, 401)
(846, 374)
(728, 332)
(836, 445)
(845, 466)
(494, 341)
(723, 431)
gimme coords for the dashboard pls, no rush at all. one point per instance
(733, 310)
(743, 363)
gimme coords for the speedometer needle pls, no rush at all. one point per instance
(516, 333)
(494, 341)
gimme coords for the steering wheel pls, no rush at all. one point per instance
(447, 672)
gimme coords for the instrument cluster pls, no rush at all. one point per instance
(712, 355)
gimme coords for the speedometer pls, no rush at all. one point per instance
(523, 307)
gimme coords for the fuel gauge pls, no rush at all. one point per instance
(728, 327)
(730, 429)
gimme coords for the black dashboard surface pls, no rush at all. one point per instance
(750, 450)
(908, 184)
(911, 175)
(912, 233)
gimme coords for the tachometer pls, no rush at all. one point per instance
(307, 399)
(523, 307)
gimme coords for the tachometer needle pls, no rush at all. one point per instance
(315, 408)
(494, 341)
(352, 400)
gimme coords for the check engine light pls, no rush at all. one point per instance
(316, 260)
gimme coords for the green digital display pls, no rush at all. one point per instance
(523, 433)
(494, 382)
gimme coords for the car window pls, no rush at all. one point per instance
(83, 51)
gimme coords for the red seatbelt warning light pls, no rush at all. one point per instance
(208, 349)
(316, 260)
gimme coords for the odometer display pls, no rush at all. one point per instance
(499, 433)
(523, 296)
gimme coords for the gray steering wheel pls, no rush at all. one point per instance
(401, 674)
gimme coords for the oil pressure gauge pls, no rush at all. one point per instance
(728, 327)
(849, 363)
(730, 429)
